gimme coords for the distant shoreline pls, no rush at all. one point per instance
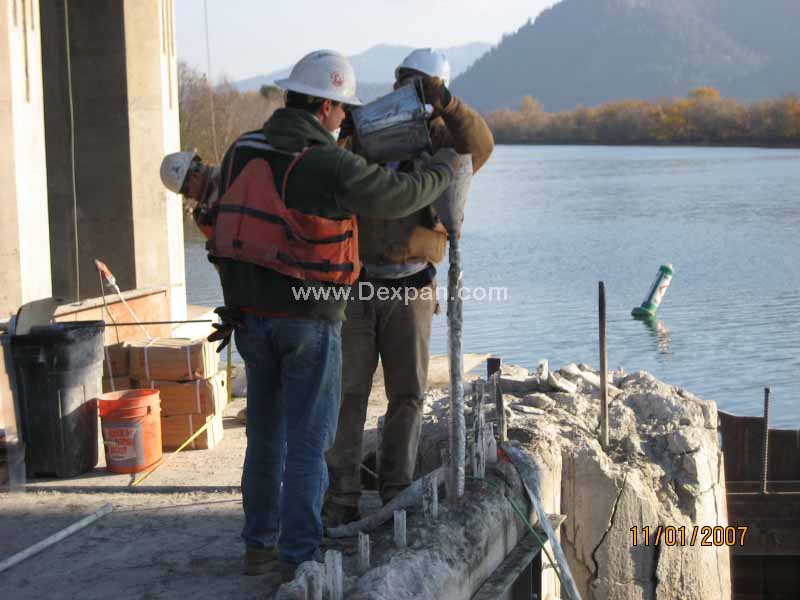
(703, 118)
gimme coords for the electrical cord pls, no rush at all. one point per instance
(542, 543)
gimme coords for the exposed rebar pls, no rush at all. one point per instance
(765, 454)
(603, 368)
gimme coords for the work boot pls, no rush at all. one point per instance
(259, 561)
(334, 515)
(289, 570)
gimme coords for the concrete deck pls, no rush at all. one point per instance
(176, 535)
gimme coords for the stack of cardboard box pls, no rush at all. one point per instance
(192, 391)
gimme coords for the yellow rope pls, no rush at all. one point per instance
(228, 372)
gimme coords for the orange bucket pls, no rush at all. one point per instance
(131, 425)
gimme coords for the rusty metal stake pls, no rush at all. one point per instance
(603, 368)
(765, 455)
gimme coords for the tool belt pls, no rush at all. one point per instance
(417, 280)
(423, 243)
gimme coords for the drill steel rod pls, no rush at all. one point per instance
(455, 315)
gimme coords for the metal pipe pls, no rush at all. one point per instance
(765, 454)
(455, 321)
(603, 368)
(154, 323)
(363, 553)
(55, 538)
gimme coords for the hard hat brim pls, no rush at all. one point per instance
(296, 86)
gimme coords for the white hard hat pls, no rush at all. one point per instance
(324, 74)
(174, 168)
(429, 61)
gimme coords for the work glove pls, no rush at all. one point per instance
(436, 94)
(348, 127)
(230, 319)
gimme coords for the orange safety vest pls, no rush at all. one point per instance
(253, 224)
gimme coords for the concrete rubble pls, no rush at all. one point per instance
(664, 467)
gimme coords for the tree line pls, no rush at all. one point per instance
(233, 112)
(702, 118)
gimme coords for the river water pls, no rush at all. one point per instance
(548, 223)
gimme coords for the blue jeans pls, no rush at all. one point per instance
(293, 396)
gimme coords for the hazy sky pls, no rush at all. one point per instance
(255, 37)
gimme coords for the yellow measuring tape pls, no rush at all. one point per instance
(196, 433)
(171, 456)
(228, 372)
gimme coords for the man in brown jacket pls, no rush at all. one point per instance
(400, 254)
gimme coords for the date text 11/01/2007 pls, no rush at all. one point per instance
(689, 536)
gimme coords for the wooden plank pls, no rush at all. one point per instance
(758, 577)
(505, 577)
(742, 443)
(773, 523)
(147, 304)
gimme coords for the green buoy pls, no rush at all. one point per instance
(654, 297)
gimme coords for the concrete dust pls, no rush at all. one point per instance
(175, 535)
(150, 546)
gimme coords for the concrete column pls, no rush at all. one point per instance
(154, 131)
(24, 256)
(111, 114)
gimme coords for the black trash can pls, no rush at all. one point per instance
(59, 371)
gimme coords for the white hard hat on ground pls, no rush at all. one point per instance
(174, 168)
(324, 74)
(429, 61)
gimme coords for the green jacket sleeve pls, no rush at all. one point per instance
(374, 191)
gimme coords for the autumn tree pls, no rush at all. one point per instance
(705, 93)
(703, 117)
(234, 112)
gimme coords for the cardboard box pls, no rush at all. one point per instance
(117, 361)
(173, 359)
(201, 396)
(176, 429)
(120, 383)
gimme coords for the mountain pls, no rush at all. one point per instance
(375, 67)
(585, 52)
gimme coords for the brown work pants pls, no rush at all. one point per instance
(399, 333)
